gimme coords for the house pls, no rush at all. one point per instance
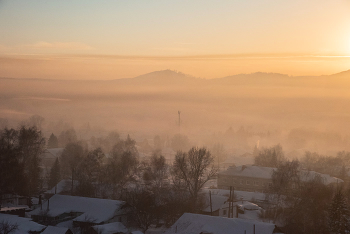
(56, 230)
(24, 225)
(14, 204)
(246, 178)
(109, 228)
(217, 201)
(197, 224)
(48, 157)
(83, 211)
(63, 187)
(259, 179)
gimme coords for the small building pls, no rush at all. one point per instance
(217, 202)
(259, 179)
(63, 187)
(57, 230)
(14, 204)
(246, 178)
(24, 225)
(196, 224)
(109, 228)
(49, 156)
(83, 211)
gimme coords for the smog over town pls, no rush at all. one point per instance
(174, 117)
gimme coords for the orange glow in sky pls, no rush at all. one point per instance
(120, 39)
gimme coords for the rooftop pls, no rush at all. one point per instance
(55, 230)
(24, 224)
(266, 173)
(249, 171)
(196, 223)
(93, 209)
(110, 228)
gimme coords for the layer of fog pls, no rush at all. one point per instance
(300, 113)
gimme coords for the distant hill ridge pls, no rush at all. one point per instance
(175, 78)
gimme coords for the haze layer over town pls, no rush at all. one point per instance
(154, 117)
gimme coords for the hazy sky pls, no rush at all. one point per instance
(85, 39)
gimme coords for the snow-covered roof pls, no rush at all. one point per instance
(24, 224)
(266, 173)
(55, 230)
(249, 171)
(13, 207)
(196, 223)
(93, 210)
(216, 200)
(56, 151)
(62, 186)
(110, 228)
(326, 179)
(136, 232)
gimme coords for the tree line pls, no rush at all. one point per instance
(159, 191)
(20, 151)
(306, 205)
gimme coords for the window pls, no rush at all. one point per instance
(270, 184)
(241, 181)
(225, 212)
(256, 183)
(248, 182)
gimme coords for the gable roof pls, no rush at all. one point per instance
(110, 228)
(24, 224)
(55, 230)
(266, 173)
(250, 171)
(93, 210)
(63, 186)
(196, 223)
(217, 202)
(52, 153)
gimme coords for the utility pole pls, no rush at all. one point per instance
(233, 194)
(211, 206)
(229, 204)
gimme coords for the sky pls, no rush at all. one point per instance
(88, 39)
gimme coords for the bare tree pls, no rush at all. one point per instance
(156, 171)
(192, 170)
(7, 227)
(144, 203)
(71, 156)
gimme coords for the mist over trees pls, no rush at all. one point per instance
(269, 157)
(52, 142)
